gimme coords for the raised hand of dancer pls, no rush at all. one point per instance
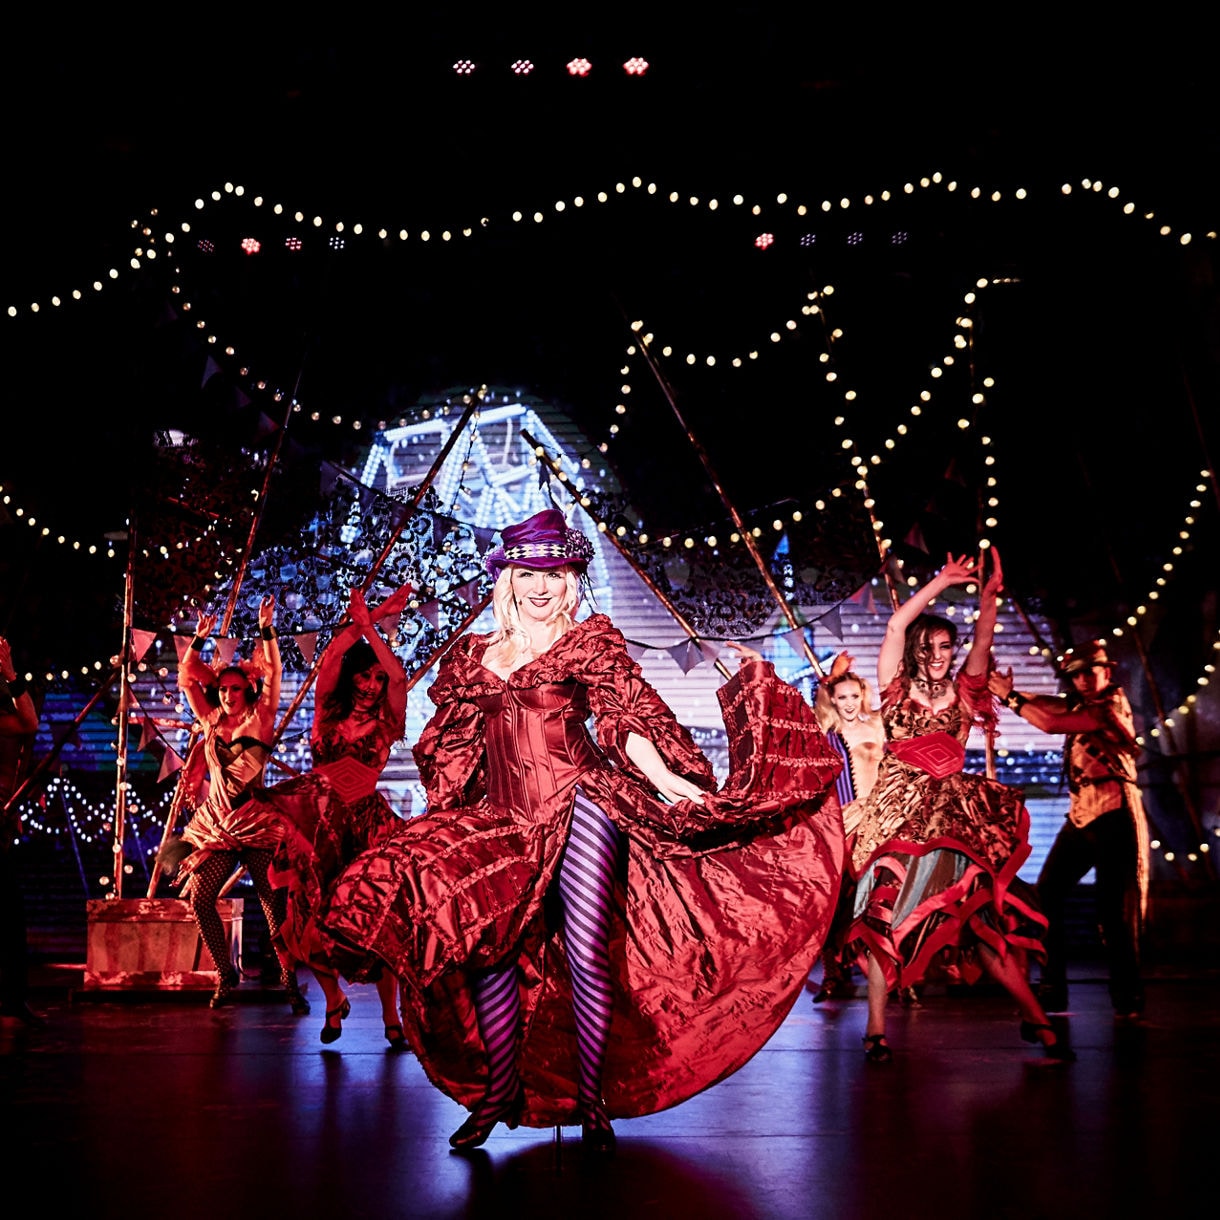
(206, 623)
(266, 611)
(744, 651)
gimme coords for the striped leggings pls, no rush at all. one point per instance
(586, 886)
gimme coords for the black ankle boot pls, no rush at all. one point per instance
(596, 1133)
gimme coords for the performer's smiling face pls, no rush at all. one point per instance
(846, 696)
(936, 655)
(539, 592)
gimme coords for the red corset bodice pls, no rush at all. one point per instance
(537, 743)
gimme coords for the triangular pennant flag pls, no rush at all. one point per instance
(241, 397)
(181, 644)
(142, 642)
(916, 539)
(266, 426)
(210, 370)
(432, 612)
(710, 651)
(226, 650)
(469, 592)
(832, 620)
(148, 732)
(796, 640)
(307, 642)
(636, 651)
(686, 654)
(171, 761)
(483, 537)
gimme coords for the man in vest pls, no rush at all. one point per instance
(1106, 828)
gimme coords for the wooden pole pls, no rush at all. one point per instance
(738, 523)
(125, 660)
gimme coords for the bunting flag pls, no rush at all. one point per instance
(796, 640)
(832, 620)
(431, 611)
(148, 732)
(863, 596)
(266, 426)
(687, 654)
(483, 537)
(916, 539)
(636, 651)
(307, 642)
(171, 761)
(226, 650)
(241, 397)
(210, 370)
(142, 642)
(181, 644)
(469, 592)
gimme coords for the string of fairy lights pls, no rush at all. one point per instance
(153, 239)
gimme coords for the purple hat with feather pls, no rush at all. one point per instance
(544, 540)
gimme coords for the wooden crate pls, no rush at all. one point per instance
(138, 943)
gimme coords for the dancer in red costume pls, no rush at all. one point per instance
(334, 812)
(583, 928)
(937, 850)
(236, 703)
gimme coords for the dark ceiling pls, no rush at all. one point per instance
(1103, 343)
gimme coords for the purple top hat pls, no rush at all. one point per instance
(544, 540)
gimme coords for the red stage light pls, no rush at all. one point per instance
(205, 246)
(579, 67)
(636, 66)
(292, 243)
(464, 67)
(523, 67)
(763, 240)
(251, 245)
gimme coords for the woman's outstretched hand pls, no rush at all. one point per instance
(959, 571)
(744, 651)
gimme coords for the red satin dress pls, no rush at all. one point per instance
(937, 855)
(721, 908)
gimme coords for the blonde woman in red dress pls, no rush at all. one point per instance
(582, 926)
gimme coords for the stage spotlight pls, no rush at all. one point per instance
(579, 67)
(522, 67)
(336, 243)
(854, 239)
(636, 66)
(251, 245)
(464, 67)
(763, 240)
(204, 246)
(292, 243)
(899, 239)
(809, 239)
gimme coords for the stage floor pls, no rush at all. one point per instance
(158, 1106)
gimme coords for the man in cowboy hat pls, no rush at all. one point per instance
(1106, 829)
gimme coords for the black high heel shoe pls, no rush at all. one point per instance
(332, 1033)
(596, 1133)
(1057, 1050)
(396, 1038)
(876, 1048)
(480, 1124)
(296, 998)
(224, 990)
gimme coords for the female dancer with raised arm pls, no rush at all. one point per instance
(936, 850)
(844, 709)
(334, 812)
(236, 704)
(582, 927)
